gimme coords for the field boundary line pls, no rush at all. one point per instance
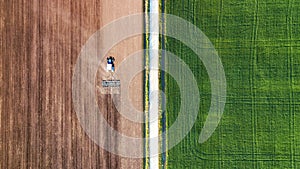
(154, 84)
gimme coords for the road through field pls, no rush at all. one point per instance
(40, 43)
(154, 84)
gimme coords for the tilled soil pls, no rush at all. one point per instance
(40, 43)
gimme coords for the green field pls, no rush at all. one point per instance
(259, 45)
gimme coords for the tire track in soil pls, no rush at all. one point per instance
(112, 117)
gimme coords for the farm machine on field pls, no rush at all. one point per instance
(110, 81)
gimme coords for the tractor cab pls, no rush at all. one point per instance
(110, 64)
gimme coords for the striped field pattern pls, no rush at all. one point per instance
(259, 45)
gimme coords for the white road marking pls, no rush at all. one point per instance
(154, 84)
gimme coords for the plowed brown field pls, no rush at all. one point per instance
(40, 42)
